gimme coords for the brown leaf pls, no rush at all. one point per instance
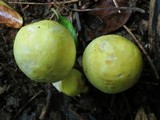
(152, 116)
(112, 19)
(141, 115)
(2, 89)
(10, 17)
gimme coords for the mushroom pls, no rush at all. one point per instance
(112, 63)
(44, 51)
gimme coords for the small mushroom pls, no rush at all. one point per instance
(72, 84)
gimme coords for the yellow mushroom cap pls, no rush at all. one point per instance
(44, 51)
(72, 84)
(112, 63)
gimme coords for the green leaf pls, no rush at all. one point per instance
(67, 24)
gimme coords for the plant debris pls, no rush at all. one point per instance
(112, 19)
(10, 17)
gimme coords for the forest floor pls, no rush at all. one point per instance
(24, 99)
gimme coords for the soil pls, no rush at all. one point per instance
(24, 99)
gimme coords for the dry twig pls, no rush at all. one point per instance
(29, 101)
(45, 109)
(50, 3)
(110, 8)
(77, 18)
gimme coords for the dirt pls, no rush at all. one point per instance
(24, 99)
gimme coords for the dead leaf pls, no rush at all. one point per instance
(9, 16)
(2, 89)
(152, 116)
(112, 19)
(141, 115)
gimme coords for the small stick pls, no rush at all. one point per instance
(77, 18)
(50, 3)
(110, 8)
(151, 34)
(45, 109)
(29, 101)
(143, 50)
(116, 4)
